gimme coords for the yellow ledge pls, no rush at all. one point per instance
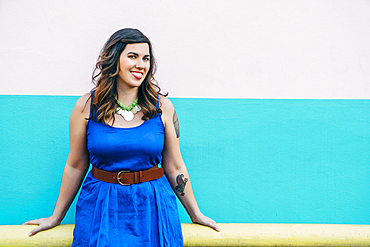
(230, 235)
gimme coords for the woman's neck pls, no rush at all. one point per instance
(127, 96)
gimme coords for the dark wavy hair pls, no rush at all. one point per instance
(105, 78)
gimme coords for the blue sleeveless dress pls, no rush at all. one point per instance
(109, 214)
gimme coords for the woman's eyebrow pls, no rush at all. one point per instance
(134, 53)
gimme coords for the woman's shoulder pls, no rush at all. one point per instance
(167, 109)
(166, 104)
(83, 104)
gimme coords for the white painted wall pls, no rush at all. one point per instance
(205, 48)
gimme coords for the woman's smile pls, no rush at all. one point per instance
(137, 75)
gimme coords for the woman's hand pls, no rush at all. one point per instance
(206, 221)
(43, 224)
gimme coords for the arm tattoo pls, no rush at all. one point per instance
(180, 184)
(176, 124)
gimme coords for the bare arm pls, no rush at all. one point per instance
(175, 168)
(75, 168)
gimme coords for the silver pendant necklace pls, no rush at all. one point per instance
(128, 115)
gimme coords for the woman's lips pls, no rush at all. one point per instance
(137, 75)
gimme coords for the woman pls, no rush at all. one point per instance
(125, 128)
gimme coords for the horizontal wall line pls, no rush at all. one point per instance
(190, 97)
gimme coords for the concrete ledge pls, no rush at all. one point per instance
(278, 235)
(231, 235)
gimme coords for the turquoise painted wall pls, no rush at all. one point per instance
(250, 160)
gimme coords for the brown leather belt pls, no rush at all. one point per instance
(126, 177)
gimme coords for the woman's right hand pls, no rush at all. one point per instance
(43, 224)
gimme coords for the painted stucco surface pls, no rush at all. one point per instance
(273, 128)
(259, 161)
(205, 49)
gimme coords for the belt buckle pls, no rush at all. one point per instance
(119, 180)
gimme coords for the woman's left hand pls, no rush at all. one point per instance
(206, 221)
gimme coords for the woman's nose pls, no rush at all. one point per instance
(140, 64)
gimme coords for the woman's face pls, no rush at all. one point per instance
(134, 64)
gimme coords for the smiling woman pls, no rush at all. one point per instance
(129, 132)
(125, 52)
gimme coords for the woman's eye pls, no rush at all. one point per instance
(146, 59)
(132, 56)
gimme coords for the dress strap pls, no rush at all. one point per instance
(91, 115)
(157, 105)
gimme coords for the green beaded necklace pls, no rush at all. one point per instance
(128, 112)
(127, 108)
